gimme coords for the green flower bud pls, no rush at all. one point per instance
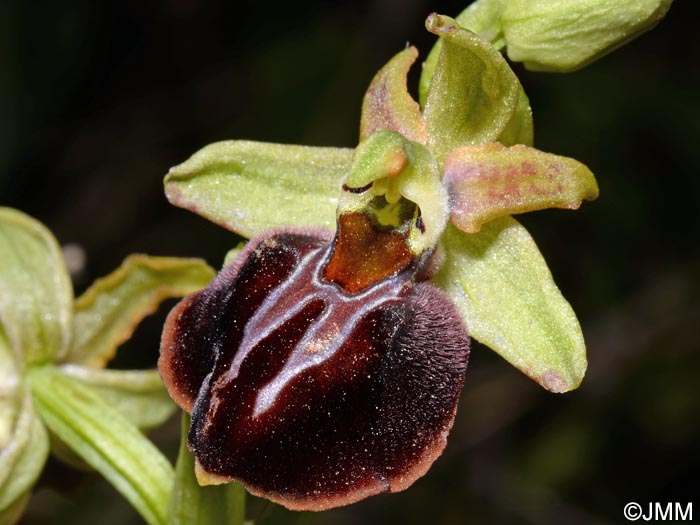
(563, 35)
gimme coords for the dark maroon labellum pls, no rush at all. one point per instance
(311, 386)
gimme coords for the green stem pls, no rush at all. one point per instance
(192, 504)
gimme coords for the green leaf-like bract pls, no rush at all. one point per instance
(192, 504)
(509, 302)
(36, 295)
(251, 187)
(105, 440)
(108, 312)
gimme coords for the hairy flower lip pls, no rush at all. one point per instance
(369, 418)
(319, 503)
(172, 381)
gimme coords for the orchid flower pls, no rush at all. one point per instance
(325, 362)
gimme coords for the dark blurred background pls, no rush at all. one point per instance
(99, 99)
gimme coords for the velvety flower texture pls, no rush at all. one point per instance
(315, 377)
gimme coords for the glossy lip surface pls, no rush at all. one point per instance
(306, 394)
(363, 256)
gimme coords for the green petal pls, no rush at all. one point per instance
(481, 17)
(486, 182)
(23, 451)
(36, 295)
(384, 154)
(564, 35)
(509, 302)
(473, 95)
(109, 311)
(251, 187)
(192, 504)
(104, 439)
(387, 104)
(138, 394)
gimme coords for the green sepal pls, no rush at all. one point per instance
(36, 295)
(388, 105)
(104, 439)
(520, 128)
(482, 17)
(138, 394)
(251, 187)
(107, 314)
(508, 300)
(473, 94)
(192, 504)
(565, 35)
(23, 453)
(487, 182)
